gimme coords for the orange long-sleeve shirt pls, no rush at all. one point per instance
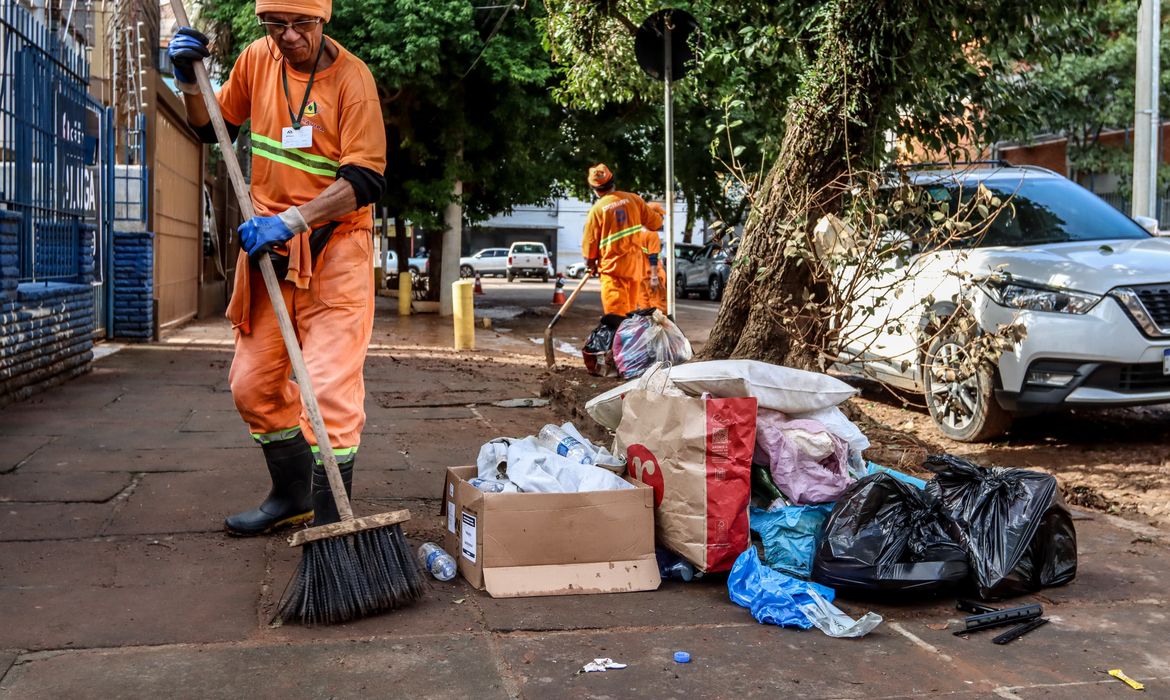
(613, 230)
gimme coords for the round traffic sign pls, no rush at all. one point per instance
(650, 43)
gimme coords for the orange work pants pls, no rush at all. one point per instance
(619, 295)
(333, 319)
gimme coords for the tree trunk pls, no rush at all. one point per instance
(831, 128)
(689, 231)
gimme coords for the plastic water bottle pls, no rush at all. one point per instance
(487, 485)
(679, 571)
(436, 561)
(557, 440)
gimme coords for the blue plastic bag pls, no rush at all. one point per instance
(772, 597)
(912, 480)
(790, 536)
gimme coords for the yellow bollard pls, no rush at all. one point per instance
(404, 294)
(463, 311)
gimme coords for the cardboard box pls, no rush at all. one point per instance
(532, 544)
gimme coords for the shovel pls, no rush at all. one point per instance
(549, 356)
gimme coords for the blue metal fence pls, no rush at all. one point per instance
(48, 144)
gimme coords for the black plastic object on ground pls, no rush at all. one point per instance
(887, 536)
(598, 350)
(1013, 523)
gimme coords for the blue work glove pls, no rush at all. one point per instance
(260, 233)
(187, 46)
(653, 259)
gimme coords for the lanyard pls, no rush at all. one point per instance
(296, 120)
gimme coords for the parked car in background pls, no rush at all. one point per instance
(489, 261)
(1090, 286)
(417, 265)
(528, 259)
(576, 270)
(703, 269)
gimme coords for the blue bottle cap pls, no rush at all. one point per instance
(682, 657)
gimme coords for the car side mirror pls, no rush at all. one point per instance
(1149, 223)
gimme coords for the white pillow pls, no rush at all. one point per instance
(779, 388)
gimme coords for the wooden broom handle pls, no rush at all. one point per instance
(270, 282)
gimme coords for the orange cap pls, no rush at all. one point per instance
(600, 176)
(309, 8)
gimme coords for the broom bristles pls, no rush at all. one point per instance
(346, 577)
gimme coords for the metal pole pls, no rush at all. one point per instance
(1146, 119)
(668, 228)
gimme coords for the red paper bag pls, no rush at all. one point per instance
(697, 455)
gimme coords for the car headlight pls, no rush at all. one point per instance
(1038, 298)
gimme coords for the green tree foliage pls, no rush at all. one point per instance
(465, 95)
(1089, 89)
(849, 74)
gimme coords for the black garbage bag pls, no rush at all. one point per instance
(598, 350)
(887, 536)
(1013, 523)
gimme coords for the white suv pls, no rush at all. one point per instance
(1090, 286)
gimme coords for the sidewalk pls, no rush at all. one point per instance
(116, 580)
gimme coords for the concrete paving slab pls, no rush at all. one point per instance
(49, 565)
(87, 617)
(727, 662)
(65, 456)
(52, 521)
(699, 602)
(212, 420)
(92, 487)
(435, 667)
(194, 501)
(18, 450)
(7, 658)
(130, 591)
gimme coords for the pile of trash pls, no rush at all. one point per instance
(736, 448)
(754, 471)
(627, 346)
(558, 459)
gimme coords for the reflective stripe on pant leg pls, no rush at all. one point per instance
(277, 435)
(267, 399)
(335, 318)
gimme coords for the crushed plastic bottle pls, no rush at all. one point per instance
(555, 439)
(487, 485)
(672, 566)
(436, 561)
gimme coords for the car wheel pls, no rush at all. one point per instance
(715, 288)
(511, 277)
(959, 394)
(680, 287)
(544, 278)
(466, 271)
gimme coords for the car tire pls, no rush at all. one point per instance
(680, 287)
(715, 288)
(511, 277)
(544, 278)
(961, 402)
(414, 270)
(466, 271)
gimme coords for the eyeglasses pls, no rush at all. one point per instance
(301, 26)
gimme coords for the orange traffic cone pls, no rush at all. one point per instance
(478, 285)
(559, 291)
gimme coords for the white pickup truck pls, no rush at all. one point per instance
(528, 259)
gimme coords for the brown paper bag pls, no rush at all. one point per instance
(697, 455)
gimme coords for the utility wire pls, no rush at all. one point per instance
(487, 42)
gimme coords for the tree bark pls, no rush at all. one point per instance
(831, 129)
(401, 244)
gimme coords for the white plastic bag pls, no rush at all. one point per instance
(784, 389)
(534, 469)
(833, 621)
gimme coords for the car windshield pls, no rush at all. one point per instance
(528, 248)
(1041, 210)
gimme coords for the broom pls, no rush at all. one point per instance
(354, 567)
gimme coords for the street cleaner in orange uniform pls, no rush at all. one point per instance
(652, 290)
(612, 244)
(318, 162)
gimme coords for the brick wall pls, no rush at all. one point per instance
(133, 258)
(46, 329)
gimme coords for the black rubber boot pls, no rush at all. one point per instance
(290, 464)
(324, 509)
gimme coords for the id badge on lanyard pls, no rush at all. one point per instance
(292, 137)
